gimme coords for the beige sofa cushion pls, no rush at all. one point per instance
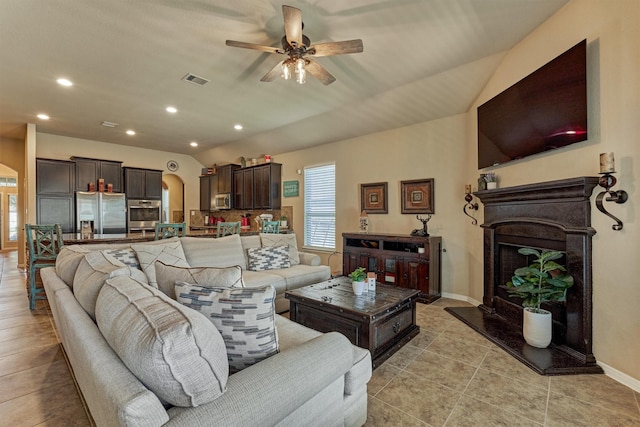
(169, 251)
(176, 352)
(244, 316)
(269, 240)
(214, 252)
(68, 260)
(94, 268)
(167, 276)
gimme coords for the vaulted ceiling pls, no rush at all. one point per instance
(422, 60)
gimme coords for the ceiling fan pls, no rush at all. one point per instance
(298, 48)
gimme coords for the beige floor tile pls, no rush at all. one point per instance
(31, 380)
(597, 390)
(420, 398)
(499, 362)
(465, 352)
(448, 372)
(423, 339)
(473, 413)
(509, 394)
(30, 359)
(566, 411)
(461, 331)
(381, 377)
(448, 302)
(404, 356)
(379, 414)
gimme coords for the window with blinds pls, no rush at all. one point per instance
(320, 206)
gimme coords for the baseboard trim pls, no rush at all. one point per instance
(620, 377)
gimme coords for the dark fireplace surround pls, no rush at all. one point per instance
(549, 215)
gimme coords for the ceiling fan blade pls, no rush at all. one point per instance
(292, 25)
(262, 48)
(319, 72)
(273, 73)
(336, 48)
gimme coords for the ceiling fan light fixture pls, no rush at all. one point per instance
(286, 69)
(301, 72)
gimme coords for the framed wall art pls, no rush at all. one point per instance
(373, 198)
(417, 196)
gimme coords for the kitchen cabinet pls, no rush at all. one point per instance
(91, 170)
(55, 186)
(258, 187)
(404, 261)
(208, 184)
(143, 184)
(225, 178)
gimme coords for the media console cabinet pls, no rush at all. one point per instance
(397, 260)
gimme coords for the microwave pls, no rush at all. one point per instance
(222, 201)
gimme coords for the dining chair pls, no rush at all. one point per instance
(165, 230)
(227, 228)
(44, 243)
(271, 227)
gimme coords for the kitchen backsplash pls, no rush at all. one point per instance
(197, 217)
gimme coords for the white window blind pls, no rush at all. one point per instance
(320, 206)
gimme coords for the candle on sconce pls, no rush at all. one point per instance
(607, 164)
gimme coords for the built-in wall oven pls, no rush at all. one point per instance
(143, 214)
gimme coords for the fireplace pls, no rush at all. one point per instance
(552, 215)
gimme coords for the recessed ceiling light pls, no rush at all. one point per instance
(43, 117)
(131, 132)
(172, 110)
(64, 82)
(238, 127)
(193, 144)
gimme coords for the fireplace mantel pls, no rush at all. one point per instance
(548, 215)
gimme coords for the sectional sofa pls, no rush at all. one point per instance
(151, 332)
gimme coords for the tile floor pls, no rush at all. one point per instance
(446, 376)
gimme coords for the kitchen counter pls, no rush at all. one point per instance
(78, 239)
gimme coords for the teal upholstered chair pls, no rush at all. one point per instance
(227, 228)
(165, 230)
(271, 227)
(44, 242)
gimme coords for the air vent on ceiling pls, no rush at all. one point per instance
(109, 124)
(196, 80)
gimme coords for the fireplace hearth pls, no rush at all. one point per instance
(553, 215)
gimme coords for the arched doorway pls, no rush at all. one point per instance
(172, 198)
(9, 227)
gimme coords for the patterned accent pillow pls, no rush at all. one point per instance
(168, 275)
(169, 251)
(269, 239)
(245, 318)
(171, 349)
(268, 258)
(127, 256)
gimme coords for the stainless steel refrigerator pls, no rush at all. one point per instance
(108, 211)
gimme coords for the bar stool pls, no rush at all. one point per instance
(227, 228)
(168, 229)
(271, 227)
(44, 242)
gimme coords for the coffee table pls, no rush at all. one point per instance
(381, 322)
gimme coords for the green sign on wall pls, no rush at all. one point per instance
(291, 189)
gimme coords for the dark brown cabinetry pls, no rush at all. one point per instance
(221, 182)
(143, 184)
(258, 187)
(91, 170)
(225, 178)
(55, 185)
(397, 260)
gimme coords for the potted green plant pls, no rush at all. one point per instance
(357, 277)
(543, 281)
(283, 221)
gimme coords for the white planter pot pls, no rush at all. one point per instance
(492, 185)
(358, 287)
(537, 327)
(283, 224)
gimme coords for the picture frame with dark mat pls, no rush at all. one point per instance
(417, 196)
(373, 198)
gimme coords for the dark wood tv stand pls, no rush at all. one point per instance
(396, 260)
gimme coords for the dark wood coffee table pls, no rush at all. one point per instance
(382, 322)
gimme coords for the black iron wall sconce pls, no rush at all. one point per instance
(468, 198)
(607, 181)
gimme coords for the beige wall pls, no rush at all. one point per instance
(62, 147)
(612, 30)
(176, 194)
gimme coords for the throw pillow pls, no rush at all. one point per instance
(127, 256)
(169, 251)
(168, 275)
(268, 258)
(68, 260)
(244, 316)
(93, 270)
(174, 351)
(269, 240)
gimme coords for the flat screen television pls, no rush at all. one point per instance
(543, 111)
